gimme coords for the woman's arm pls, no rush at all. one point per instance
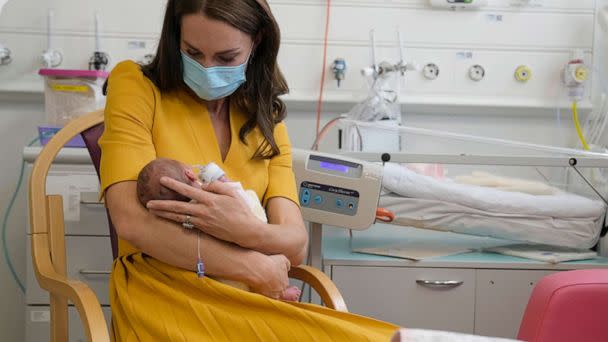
(170, 243)
(285, 231)
(220, 212)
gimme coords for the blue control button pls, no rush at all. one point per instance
(318, 199)
(351, 206)
(339, 203)
(305, 199)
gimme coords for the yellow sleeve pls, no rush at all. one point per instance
(126, 144)
(281, 180)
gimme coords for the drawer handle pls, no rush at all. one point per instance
(92, 202)
(93, 272)
(440, 283)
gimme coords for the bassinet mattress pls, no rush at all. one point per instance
(562, 219)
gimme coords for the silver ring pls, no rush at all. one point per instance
(187, 224)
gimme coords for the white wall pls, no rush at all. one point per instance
(540, 36)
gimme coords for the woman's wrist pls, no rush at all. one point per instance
(255, 234)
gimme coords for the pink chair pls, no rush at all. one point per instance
(568, 306)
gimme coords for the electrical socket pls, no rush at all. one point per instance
(430, 71)
(477, 73)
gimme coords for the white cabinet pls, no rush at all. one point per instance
(480, 293)
(411, 297)
(501, 299)
(488, 302)
(37, 324)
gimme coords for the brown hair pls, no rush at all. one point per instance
(259, 96)
(148, 181)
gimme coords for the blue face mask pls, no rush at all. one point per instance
(215, 82)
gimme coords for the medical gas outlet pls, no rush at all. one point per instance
(5, 55)
(385, 68)
(523, 73)
(430, 71)
(574, 76)
(338, 67)
(477, 73)
(146, 59)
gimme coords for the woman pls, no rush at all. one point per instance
(210, 95)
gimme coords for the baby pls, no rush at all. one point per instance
(149, 188)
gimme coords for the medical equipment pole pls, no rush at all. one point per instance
(315, 245)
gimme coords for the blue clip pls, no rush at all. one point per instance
(200, 268)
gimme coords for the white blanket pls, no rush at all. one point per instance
(445, 216)
(561, 219)
(407, 183)
(422, 335)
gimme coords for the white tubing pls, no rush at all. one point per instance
(472, 138)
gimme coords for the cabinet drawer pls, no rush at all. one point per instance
(37, 324)
(501, 299)
(83, 213)
(93, 219)
(428, 298)
(89, 259)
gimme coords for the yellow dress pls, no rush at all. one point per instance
(153, 301)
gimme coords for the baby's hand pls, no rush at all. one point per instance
(291, 293)
(274, 282)
(269, 275)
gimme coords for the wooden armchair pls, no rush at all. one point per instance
(48, 243)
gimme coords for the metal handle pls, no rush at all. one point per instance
(440, 283)
(93, 272)
(92, 202)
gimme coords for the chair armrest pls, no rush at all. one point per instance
(89, 308)
(85, 300)
(77, 292)
(322, 284)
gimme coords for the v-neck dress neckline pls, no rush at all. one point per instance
(200, 112)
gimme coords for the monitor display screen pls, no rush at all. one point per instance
(334, 166)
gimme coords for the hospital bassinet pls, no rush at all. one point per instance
(484, 186)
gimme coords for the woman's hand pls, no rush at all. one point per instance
(218, 211)
(272, 279)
